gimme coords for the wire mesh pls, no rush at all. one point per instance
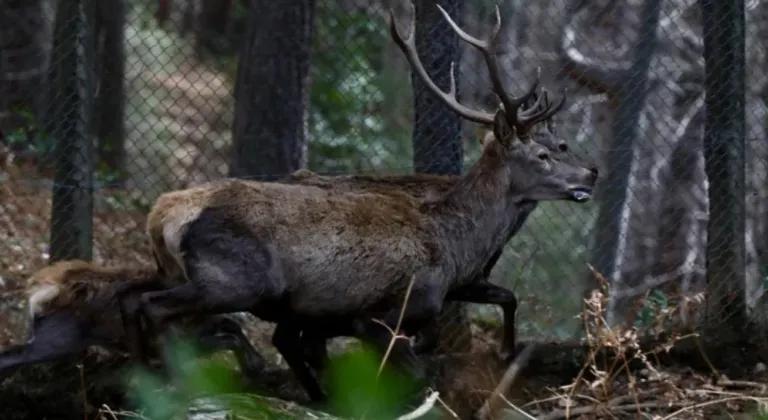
(176, 112)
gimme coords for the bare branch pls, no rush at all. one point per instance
(492, 403)
(605, 78)
(423, 409)
(654, 281)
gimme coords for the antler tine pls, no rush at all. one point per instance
(488, 49)
(408, 46)
(534, 115)
(541, 101)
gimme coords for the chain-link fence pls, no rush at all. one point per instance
(106, 106)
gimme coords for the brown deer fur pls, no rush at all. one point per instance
(426, 186)
(74, 304)
(296, 254)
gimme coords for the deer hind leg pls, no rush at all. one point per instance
(55, 336)
(486, 292)
(287, 340)
(222, 333)
(421, 310)
(315, 349)
(226, 272)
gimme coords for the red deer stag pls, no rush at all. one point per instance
(423, 186)
(74, 305)
(297, 254)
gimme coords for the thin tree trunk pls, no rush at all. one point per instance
(110, 102)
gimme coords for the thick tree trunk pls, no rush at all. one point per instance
(724, 78)
(437, 146)
(269, 139)
(71, 84)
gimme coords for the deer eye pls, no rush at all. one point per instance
(563, 147)
(544, 156)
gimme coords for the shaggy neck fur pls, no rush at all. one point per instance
(476, 217)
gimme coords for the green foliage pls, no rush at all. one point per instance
(190, 379)
(29, 136)
(348, 127)
(652, 305)
(355, 390)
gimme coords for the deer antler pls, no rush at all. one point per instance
(521, 121)
(408, 46)
(542, 109)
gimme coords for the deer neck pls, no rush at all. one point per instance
(478, 215)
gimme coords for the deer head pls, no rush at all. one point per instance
(519, 142)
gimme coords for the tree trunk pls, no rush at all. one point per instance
(756, 259)
(22, 70)
(725, 74)
(272, 79)
(437, 146)
(71, 84)
(110, 100)
(436, 129)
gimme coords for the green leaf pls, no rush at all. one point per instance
(356, 392)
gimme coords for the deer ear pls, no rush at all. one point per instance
(504, 134)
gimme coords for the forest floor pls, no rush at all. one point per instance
(655, 392)
(557, 381)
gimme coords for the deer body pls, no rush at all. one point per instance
(423, 186)
(428, 186)
(376, 240)
(302, 255)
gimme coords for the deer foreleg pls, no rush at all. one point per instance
(486, 292)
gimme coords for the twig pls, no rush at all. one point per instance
(447, 408)
(423, 409)
(704, 355)
(491, 404)
(594, 409)
(394, 333)
(105, 408)
(705, 404)
(741, 384)
(516, 408)
(397, 327)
